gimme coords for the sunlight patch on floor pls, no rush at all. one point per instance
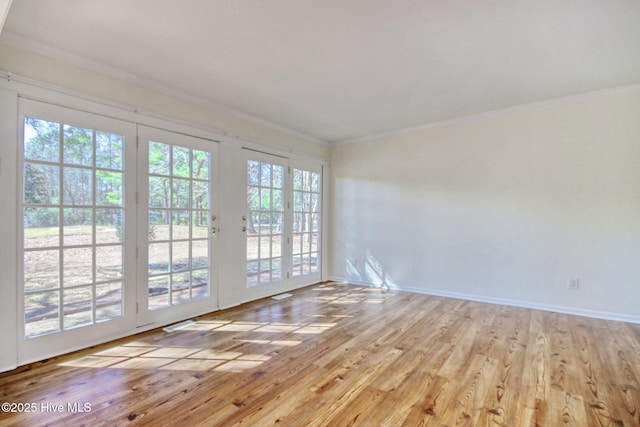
(193, 365)
(315, 328)
(240, 327)
(278, 343)
(143, 363)
(278, 327)
(150, 353)
(93, 362)
(125, 351)
(238, 366)
(215, 354)
(204, 326)
(288, 343)
(174, 352)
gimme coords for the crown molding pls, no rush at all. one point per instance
(32, 46)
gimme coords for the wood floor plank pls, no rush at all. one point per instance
(593, 371)
(342, 388)
(470, 391)
(504, 392)
(623, 387)
(429, 408)
(395, 403)
(342, 355)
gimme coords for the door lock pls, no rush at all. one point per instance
(214, 230)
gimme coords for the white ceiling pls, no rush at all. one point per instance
(342, 69)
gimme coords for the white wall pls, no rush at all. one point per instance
(504, 207)
(8, 220)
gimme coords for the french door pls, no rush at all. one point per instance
(120, 227)
(78, 217)
(177, 226)
(265, 220)
(306, 207)
(281, 224)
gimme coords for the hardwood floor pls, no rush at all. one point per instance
(343, 355)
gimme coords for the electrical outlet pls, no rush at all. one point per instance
(573, 283)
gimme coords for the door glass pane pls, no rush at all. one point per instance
(158, 292)
(41, 227)
(158, 224)
(199, 254)
(41, 140)
(78, 306)
(180, 228)
(77, 267)
(41, 270)
(109, 225)
(200, 168)
(73, 249)
(200, 281)
(78, 146)
(306, 222)
(158, 258)
(109, 151)
(265, 208)
(41, 184)
(200, 224)
(108, 301)
(181, 166)
(180, 193)
(200, 195)
(180, 288)
(77, 227)
(77, 186)
(180, 256)
(178, 233)
(109, 188)
(109, 263)
(159, 158)
(41, 312)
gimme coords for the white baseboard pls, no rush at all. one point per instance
(619, 317)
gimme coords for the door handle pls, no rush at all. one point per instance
(244, 228)
(214, 230)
